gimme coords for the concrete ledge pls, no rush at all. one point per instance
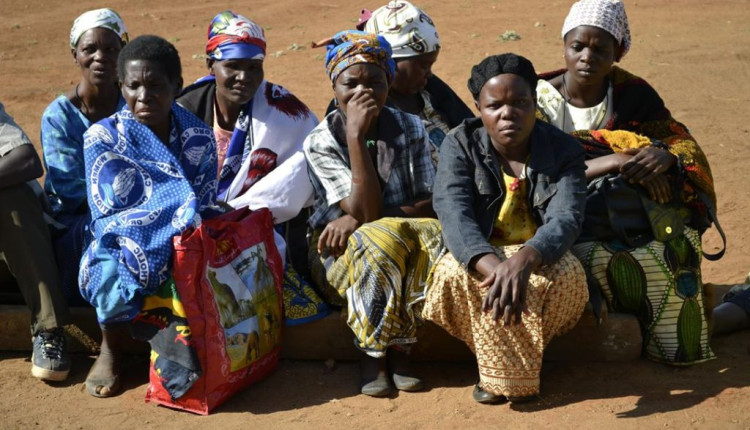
(616, 339)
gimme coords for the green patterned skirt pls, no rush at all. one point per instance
(660, 283)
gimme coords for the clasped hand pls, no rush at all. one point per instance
(336, 234)
(647, 167)
(508, 283)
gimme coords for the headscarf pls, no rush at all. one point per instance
(98, 18)
(409, 30)
(232, 36)
(609, 15)
(351, 47)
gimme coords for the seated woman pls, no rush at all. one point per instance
(510, 194)
(626, 130)
(259, 129)
(372, 173)
(96, 39)
(415, 90)
(150, 174)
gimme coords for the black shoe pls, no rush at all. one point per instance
(401, 370)
(484, 397)
(49, 359)
(374, 377)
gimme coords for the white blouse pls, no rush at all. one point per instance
(567, 117)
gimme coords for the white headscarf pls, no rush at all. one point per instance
(104, 18)
(609, 15)
(409, 30)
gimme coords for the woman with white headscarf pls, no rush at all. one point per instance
(96, 38)
(630, 136)
(415, 90)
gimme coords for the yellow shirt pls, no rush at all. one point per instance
(514, 224)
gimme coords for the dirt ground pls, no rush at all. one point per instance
(696, 53)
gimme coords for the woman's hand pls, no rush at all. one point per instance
(361, 111)
(659, 189)
(336, 234)
(646, 164)
(508, 282)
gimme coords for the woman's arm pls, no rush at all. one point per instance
(563, 214)
(454, 198)
(364, 202)
(603, 165)
(63, 159)
(417, 208)
(20, 165)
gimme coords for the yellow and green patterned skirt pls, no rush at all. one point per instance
(381, 279)
(660, 283)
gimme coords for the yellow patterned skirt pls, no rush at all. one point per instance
(381, 279)
(509, 358)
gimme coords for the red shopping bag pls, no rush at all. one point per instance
(228, 274)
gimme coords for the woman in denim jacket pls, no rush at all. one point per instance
(510, 194)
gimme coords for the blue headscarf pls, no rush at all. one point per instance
(350, 47)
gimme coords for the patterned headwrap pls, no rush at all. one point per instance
(232, 36)
(409, 30)
(351, 47)
(98, 18)
(609, 15)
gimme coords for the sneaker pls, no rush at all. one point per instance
(50, 361)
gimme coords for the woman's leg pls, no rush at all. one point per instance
(103, 379)
(734, 313)
(382, 275)
(509, 358)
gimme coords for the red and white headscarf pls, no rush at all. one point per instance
(609, 15)
(233, 36)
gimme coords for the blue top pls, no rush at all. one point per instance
(63, 126)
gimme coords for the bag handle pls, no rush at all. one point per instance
(714, 219)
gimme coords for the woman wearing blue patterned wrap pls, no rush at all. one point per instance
(376, 240)
(150, 175)
(96, 38)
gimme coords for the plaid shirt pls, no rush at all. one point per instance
(404, 163)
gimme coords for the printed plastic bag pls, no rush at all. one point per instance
(228, 275)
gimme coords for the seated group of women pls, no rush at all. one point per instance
(419, 210)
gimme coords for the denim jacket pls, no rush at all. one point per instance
(469, 191)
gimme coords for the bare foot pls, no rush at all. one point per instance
(103, 379)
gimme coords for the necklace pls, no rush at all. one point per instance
(83, 103)
(600, 116)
